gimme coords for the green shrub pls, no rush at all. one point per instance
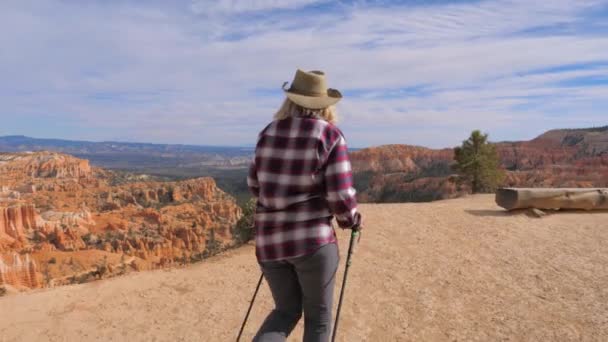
(212, 246)
(243, 230)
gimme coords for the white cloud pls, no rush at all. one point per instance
(169, 75)
(240, 6)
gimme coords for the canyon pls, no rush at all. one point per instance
(557, 158)
(64, 221)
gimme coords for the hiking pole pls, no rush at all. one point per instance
(354, 238)
(250, 306)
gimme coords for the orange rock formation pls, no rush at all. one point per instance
(559, 158)
(55, 203)
(16, 219)
(19, 273)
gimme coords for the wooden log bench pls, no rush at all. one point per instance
(552, 198)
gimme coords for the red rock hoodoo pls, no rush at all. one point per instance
(60, 211)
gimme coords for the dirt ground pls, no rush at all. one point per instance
(456, 270)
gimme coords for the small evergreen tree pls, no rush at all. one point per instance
(477, 163)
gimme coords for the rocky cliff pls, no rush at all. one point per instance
(22, 274)
(558, 158)
(57, 207)
(43, 165)
(15, 220)
(401, 158)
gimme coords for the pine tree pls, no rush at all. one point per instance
(477, 162)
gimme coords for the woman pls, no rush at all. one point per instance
(301, 176)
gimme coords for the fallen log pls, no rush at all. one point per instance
(552, 198)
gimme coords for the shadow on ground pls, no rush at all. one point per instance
(490, 213)
(529, 212)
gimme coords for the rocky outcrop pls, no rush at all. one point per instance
(401, 173)
(44, 165)
(53, 203)
(65, 239)
(402, 158)
(149, 194)
(19, 273)
(558, 158)
(26, 173)
(52, 219)
(16, 219)
(190, 215)
(588, 142)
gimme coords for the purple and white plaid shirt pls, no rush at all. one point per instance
(301, 176)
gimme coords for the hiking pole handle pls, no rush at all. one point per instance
(355, 236)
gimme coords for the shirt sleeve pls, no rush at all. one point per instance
(252, 180)
(340, 193)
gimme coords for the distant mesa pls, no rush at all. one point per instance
(128, 155)
(42, 165)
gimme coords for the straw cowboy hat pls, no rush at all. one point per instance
(309, 90)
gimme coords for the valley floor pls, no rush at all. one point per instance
(456, 270)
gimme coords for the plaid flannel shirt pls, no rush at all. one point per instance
(301, 176)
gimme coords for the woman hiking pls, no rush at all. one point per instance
(301, 177)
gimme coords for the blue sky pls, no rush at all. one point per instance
(209, 72)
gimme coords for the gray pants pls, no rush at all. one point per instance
(305, 282)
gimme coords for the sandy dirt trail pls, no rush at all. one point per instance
(457, 270)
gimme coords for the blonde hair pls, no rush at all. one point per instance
(289, 109)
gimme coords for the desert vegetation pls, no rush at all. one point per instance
(478, 164)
